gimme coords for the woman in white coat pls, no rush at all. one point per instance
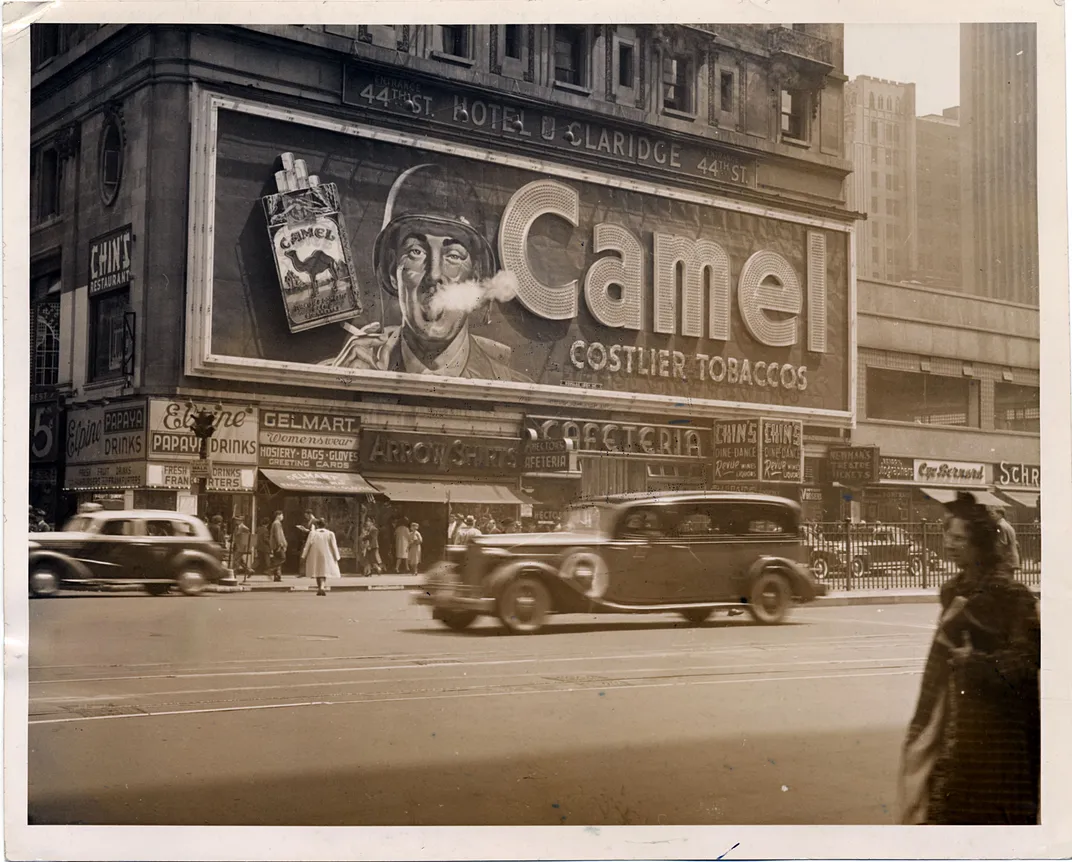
(321, 555)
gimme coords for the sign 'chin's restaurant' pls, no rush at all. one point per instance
(497, 276)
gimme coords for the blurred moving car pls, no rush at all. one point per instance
(684, 552)
(155, 550)
(872, 548)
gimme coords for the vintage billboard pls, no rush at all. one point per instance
(495, 276)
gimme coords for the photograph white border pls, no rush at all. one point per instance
(1050, 840)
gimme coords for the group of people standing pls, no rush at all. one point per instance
(408, 546)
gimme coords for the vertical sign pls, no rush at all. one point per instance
(109, 261)
(781, 453)
(735, 454)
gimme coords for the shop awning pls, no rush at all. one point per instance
(402, 491)
(315, 482)
(1029, 499)
(948, 495)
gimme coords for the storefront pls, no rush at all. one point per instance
(309, 460)
(914, 489)
(1020, 485)
(428, 478)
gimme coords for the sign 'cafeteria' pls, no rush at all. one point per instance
(648, 292)
(439, 454)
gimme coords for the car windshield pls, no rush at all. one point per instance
(584, 519)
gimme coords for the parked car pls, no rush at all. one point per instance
(155, 550)
(876, 548)
(684, 552)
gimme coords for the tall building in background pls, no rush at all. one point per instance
(938, 199)
(1000, 185)
(880, 132)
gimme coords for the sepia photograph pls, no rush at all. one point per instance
(672, 416)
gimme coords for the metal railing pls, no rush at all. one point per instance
(848, 556)
(784, 40)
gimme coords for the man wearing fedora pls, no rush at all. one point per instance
(433, 235)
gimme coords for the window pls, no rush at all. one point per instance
(871, 100)
(1016, 408)
(45, 287)
(891, 257)
(874, 203)
(925, 399)
(571, 55)
(626, 65)
(642, 523)
(110, 164)
(889, 158)
(726, 90)
(117, 527)
(897, 158)
(874, 178)
(874, 130)
(44, 44)
(677, 89)
(159, 528)
(874, 155)
(889, 183)
(512, 41)
(875, 229)
(794, 115)
(875, 257)
(108, 334)
(896, 206)
(455, 40)
(46, 180)
(896, 182)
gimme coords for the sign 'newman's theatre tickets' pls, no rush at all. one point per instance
(640, 292)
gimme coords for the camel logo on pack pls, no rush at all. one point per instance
(311, 248)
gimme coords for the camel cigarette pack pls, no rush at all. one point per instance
(312, 254)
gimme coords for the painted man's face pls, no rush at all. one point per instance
(424, 266)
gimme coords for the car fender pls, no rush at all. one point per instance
(801, 584)
(501, 576)
(71, 567)
(198, 559)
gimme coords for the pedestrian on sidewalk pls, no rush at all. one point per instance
(304, 529)
(321, 555)
(1007, 544)
(415, 542)
(240, 541)
(972, 752)
(262, 550)
(277, 547)
(402, 547)
(370, 548)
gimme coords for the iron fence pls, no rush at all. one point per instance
(905, 555)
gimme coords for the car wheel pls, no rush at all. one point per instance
(915, 567)
(44, 581)
(820, 568)
(858, 567)
(456, 620)
(191, 582)
(697, 616)
(157, 589)
(524, 604)
(769, 602)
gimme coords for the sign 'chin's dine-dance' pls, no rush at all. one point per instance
(478, 266)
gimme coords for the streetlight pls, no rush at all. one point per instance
(202, 422)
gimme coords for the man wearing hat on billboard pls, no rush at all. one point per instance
(433, 239)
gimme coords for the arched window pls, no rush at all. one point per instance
(871, 100)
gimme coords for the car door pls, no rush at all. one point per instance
(119, 546)
(697, 549)
(638, 574)
(163, 539)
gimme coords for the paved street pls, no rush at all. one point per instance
(357, 709)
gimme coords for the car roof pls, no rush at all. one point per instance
(138, 513)
(689, 497)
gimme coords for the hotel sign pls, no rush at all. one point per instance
(109, 261)
(561, 131)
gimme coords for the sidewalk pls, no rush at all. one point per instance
(292, 583)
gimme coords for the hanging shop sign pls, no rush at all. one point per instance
(439, 454)
(623, 438)
(1008, 474)
(896, 469)
(307, 440)
(109, 261)
(938, 472)
(853, 465)
(233, 442)
(548, 456)
(640, 296)
(781, 451)
(219, 479)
